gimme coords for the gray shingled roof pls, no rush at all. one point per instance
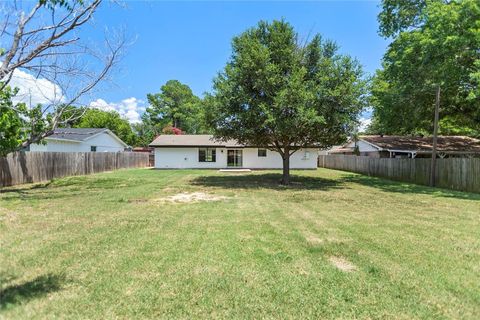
(191, 140)
(196, 140)
(76, 134)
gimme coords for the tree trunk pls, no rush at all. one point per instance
(286, 169)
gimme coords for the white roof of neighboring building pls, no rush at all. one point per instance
(81, 134)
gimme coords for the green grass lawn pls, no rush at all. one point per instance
(331, 245)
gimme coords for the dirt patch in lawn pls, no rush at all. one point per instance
(186, 197)
(342, 264)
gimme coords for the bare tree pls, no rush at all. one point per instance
(42, 40)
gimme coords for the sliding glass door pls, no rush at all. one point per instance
(234, 158)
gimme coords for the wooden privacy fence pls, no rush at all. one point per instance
(451, 173)
(27, 167)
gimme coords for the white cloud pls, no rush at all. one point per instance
(365, 119)
(35, 91)
(130, 108)
(364, 123)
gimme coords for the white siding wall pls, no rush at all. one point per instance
(176, 158)
(38, 147)
(181, 158)
(104, 142)
(273, 160)
(58, 146)
(362, 146)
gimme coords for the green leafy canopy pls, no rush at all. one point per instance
(436, 43)
(175, 105)
(11, 124)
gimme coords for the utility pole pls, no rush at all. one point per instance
(435, 134)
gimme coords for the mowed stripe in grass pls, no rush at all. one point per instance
(331, 245)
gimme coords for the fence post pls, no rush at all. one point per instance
(435, 136)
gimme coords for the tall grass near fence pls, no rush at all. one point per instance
(27, 167)
(452, 173)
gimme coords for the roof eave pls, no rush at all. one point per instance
(62, 139)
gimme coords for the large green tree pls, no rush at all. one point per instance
(435, 44)
(11, 124)
(95, 118)
(281, 94)
(175, 105)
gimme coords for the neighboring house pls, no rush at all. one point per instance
(324, 152)
(81, 140)
(202, 151)
(411, 147)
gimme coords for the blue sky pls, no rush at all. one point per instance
(190, 41)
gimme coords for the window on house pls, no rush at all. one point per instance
(93, 148)
(207, 155)
(262, 152)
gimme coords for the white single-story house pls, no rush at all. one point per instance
(81, 140)
(203, 151)
(410, 147)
